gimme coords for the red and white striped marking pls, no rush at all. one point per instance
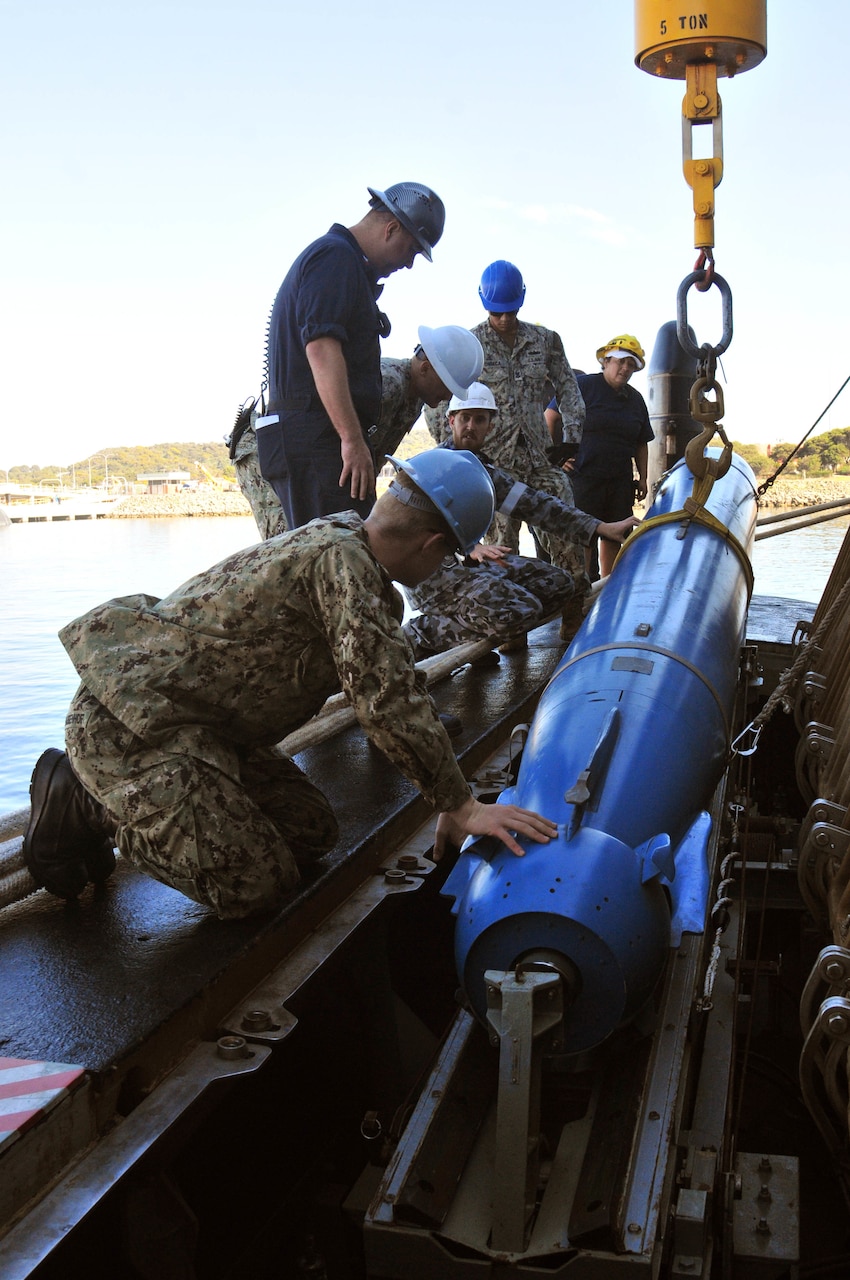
(28, 1090)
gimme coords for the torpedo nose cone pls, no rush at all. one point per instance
(583, 901)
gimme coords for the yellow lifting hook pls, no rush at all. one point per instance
(697, 41)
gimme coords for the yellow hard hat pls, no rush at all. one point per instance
(625, 344)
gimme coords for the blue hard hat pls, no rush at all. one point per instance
(501, 287)
(459, 486)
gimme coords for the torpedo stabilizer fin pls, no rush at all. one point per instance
(657, 857)
(689, 890)
(580, 794)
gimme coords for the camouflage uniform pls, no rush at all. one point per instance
(491, 600)
(400, 408)
(261, 497)
(467, 600)
(182, 699)
(521, 378)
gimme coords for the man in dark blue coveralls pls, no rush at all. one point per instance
(324, 358)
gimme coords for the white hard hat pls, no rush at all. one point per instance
(477, 397)
(455, 353)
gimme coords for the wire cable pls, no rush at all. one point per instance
(763, 488)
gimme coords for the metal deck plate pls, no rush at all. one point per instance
(137, 971)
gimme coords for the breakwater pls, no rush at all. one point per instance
(798, 491)
(791, 491)
(145, 506)
(794, 491)
(132, 507)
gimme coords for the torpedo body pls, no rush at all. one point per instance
(624, 752)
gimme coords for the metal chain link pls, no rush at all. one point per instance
(704, 410)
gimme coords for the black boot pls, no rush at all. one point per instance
(452, 725)
(572, 616)
(69, 840)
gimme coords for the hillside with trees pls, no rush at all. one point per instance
(826, 454)
(823, 455)
(130, 461)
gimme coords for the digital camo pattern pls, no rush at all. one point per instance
(229, 664)
(544, 501)
(236, 845)
(523, 378)
(551, 512)
(260, 496)
(400, 408)
(492, 600)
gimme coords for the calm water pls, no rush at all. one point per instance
(51, 573)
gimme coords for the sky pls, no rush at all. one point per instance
(164, 163)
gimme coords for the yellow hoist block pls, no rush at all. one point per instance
(697, 42)
(671, 34)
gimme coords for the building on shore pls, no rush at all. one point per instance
(159, 483)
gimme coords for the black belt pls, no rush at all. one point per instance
(292, 404)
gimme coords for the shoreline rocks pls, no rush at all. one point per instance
(788, 491)
(799, 491)
(146, 506)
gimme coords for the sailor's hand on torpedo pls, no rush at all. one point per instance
(488, 551)
(617, 530)
(357, 467)
(504, 821)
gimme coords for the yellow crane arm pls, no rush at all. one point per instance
(215, 481)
